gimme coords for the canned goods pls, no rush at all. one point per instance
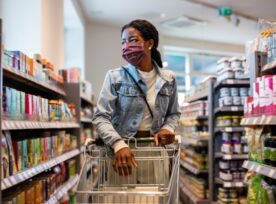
(234, 91)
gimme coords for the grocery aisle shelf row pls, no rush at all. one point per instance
(16, 75)
(24, 125)
(230, 184)
(268, 68)
(261, 120)
(87, 99)
(262, 169)
(63, 190)
(231, 82)
(33, 171)
(195, 141)
(201, 117)
(86, 120)
(229, 129)
(229, 109)
(190, 195)
(199, 96)
(191, 168)
(231, 156)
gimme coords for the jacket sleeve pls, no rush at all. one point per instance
(173, 112)
(105, 108)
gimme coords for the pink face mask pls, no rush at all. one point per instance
(133, 52)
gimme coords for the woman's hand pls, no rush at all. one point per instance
(164, 137)
(124, 161)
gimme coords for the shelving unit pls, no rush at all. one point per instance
(231, 156)
(197, 97)
(31, 172)
(228, 184)
(13, 78)
(216, 132)
(29, 125)
(63, 190)
(261, 120)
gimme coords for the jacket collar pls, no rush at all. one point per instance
(161, 72)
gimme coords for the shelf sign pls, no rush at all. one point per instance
(225, 11)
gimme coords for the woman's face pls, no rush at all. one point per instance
(133, 35)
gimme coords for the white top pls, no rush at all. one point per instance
(150, 79)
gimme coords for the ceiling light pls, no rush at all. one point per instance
(163, 15)
(165, 64)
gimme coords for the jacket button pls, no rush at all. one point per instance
(134, 122)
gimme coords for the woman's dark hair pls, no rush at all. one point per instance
(148, 31)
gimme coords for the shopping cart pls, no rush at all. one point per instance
(154, 180)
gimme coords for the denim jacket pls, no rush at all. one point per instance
(120, 105)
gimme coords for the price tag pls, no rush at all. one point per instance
(230, 81)
(3, 186)
(13, 180)
(228, 129)
(269, 120)
(227, 156)
(21, 177)
(227, 185)
(255, 121)
(239, 184)
(234, 108)
(272, 174)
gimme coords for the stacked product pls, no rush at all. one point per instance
(197, 185)
(232, 68)
(233, 96)
(197, 157)
(41, 188)
(24, 152)
(233, 144)
(18, 105)
(231, 195)
(39, 68)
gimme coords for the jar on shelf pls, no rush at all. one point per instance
(226, 147)
(224, 92)
(237, 147)
(236, 120)
(234, 91)
(237, 101)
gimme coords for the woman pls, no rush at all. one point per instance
(139, 99)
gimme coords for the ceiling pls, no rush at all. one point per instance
(208, 25)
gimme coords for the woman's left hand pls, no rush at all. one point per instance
(164, 137)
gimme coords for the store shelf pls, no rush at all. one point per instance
(191, 168)
(86, 120)
(231, 156)
(16, 75)
(261, 120)
(24, 125)
(229, 109)
(191, 196)
(29, 173)
(200, 117)
(196, 97)
(262, 169)
(194, 142)
(87, 99)
(269, 68)
(232, 82)
(63, 190)
(230, 184)
(229, 129)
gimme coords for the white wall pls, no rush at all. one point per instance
(103, 50)
(21, 25)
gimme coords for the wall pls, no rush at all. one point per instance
(103, 50)
(21, 25)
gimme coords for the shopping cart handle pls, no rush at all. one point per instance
(178, 138)
(97, 141)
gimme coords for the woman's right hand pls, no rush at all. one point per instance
(124, 161)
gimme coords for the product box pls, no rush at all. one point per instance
(17, 145)
(6, 102)
(5, 157)
(24, 149)
(12, 161)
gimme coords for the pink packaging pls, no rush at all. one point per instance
(256, 101)
(274, 94)
(268, 89)
(248, 106)
(262, 99)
